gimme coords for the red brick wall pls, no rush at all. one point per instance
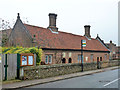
(57, 56)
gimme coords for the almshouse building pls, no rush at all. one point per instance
(58, 47)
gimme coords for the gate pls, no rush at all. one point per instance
(10, 66)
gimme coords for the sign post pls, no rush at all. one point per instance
(83, 44)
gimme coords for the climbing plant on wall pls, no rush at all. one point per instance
(15, 50)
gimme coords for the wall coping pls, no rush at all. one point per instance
(62, 65)
(55, 65)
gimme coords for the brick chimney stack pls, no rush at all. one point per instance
(87, 31)
(52, 21)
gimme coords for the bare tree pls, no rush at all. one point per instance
(4, 26)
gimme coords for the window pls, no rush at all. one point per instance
(86, 58)
(105, 56)
(70, 54)
(48, 59)
(118, 56)
(91, 57)
(113, 52)
(114, 56)
(63, 54)
(79, 58)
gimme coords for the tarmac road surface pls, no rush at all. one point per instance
(107, 79)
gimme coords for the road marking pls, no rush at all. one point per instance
(111, 82)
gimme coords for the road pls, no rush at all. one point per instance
(107, 79)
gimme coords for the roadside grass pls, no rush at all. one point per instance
(10, 81)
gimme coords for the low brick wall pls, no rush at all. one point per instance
(44, 71)
(110, 63)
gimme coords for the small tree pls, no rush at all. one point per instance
(4, 25)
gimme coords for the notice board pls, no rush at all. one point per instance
(27, 59)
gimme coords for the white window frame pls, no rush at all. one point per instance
(105, 56)
(92, 57)
(46, 58)
(50, 57)
(86, 58)
(70, 54)
(79, 57)
(64, 54)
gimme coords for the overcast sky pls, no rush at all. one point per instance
(102, 15)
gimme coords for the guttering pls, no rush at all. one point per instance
(75, 50)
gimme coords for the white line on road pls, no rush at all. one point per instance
(111, 82)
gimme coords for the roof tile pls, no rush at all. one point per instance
(62, 40)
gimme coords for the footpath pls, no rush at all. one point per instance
(27, 83)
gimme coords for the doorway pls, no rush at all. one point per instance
(97, 59)
(63, 60)
(69, 60)
(100, 58)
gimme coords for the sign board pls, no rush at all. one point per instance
(83, 43)
(27, 59)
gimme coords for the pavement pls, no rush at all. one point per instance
(27, 83)
(108, 79)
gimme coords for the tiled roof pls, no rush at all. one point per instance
(46, 39)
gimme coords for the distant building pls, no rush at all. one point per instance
(114, 50)
(118, 52)
(58, 47)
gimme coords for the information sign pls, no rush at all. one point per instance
(27, 59)
(83, 43)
